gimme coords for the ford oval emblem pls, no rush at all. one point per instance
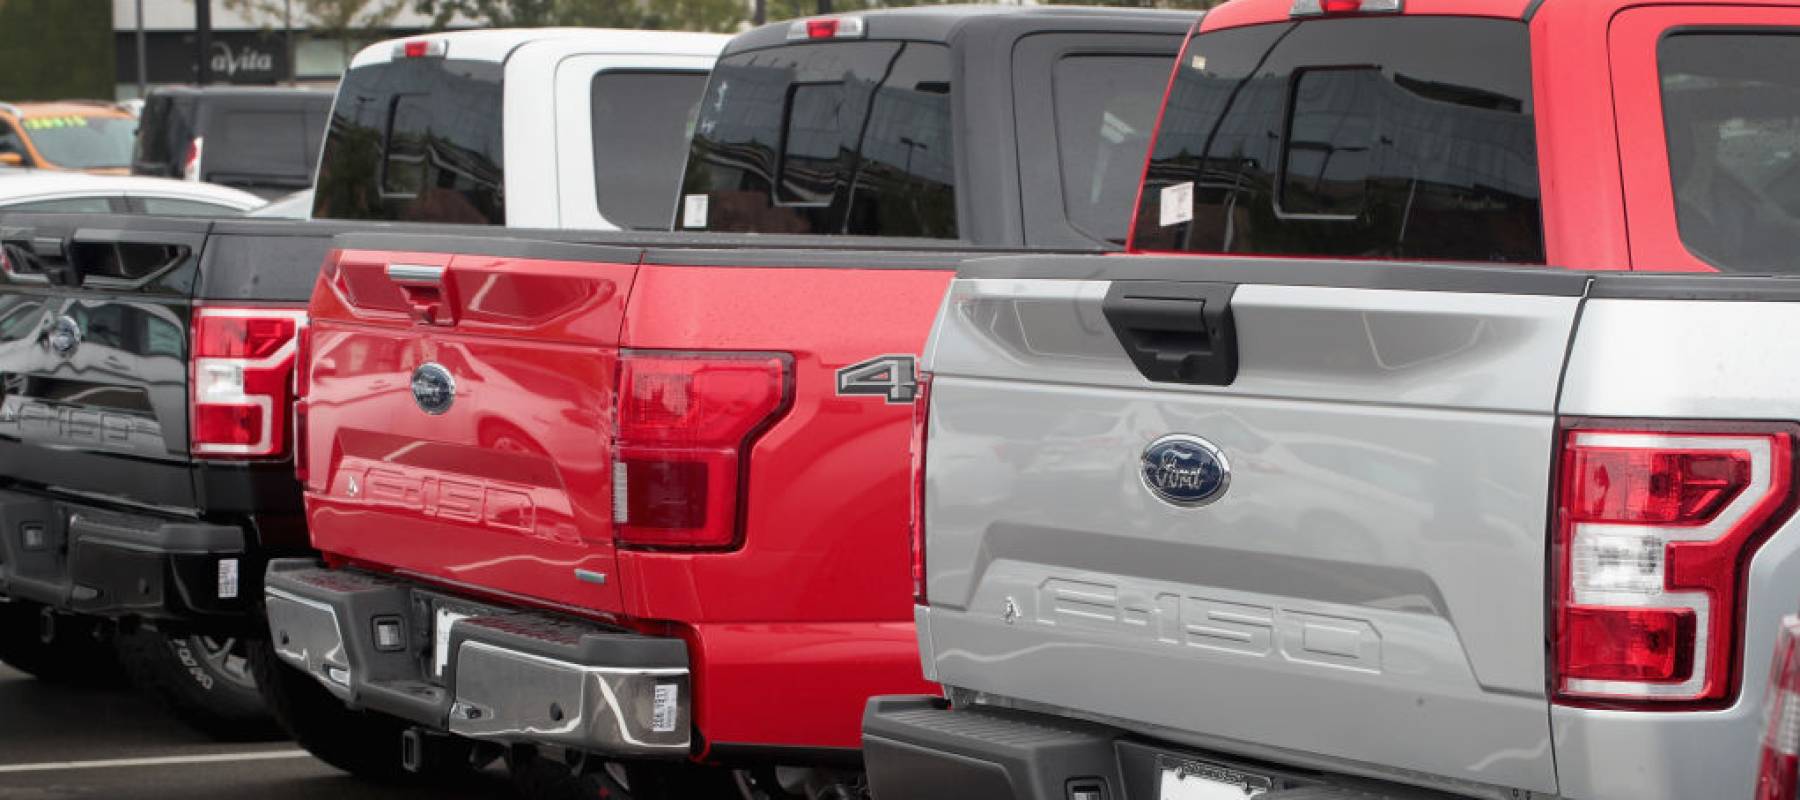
(433, 388)
(1185, 470)
(65, 335)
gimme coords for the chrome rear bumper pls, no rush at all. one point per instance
(477, 671)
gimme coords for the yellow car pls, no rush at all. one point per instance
(89, 136)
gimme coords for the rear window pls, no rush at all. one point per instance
(1379, 138)
(1104, 118)
(836, 138)
(415, 139)
(642, 121)
(1731, 106)
(252, 142)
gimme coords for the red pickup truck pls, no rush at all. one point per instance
(644, 497)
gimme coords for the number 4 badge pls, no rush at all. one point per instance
(892, 377)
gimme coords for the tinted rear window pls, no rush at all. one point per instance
(1378, 138)
(1731, 106)
(259, 142)
(838, 138)
(1104, 119)
(415, 139)
(642, 121)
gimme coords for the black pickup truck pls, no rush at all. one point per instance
(144, 470)
(146, 473)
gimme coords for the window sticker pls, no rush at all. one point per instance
(1177, 203)
(693, 211)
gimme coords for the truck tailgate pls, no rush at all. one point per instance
(94, 317)
(460, 410)
(1345, 537)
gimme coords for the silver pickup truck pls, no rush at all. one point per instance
(1327, 513)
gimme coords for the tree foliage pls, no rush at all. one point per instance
(352, 23)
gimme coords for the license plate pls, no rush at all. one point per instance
(1182, 779)
(440, 639)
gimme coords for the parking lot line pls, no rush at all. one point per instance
(160, 761)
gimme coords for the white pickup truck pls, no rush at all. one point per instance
(527, 128)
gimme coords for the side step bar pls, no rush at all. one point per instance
(479, 671)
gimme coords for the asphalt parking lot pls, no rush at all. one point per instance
(61, 742)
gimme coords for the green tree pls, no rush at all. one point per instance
(56, 49)
(351, 23)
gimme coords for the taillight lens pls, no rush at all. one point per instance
(916, 528)
(1654, 529)
(190, 163)
(302, 385)
(1779, 776)
(242, 380)
(685, 427)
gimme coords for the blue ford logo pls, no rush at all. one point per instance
(1185, 470)
(433, 388)
(65, 335)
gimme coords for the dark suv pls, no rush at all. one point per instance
(264, 141)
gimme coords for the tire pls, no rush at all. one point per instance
(363, 743)
(204, 681)
(77, 654)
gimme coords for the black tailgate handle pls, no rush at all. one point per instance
(1176, 331)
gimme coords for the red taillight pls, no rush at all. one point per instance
(1779, 776)
(190, 162)
(916, 530)
(1654, 528)
(242, 380)
(821, 28)
(686, 423)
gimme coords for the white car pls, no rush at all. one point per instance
(75, 192)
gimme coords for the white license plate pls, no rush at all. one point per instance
(440, 639)
(1197, 780)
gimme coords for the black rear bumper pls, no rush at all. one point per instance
(91, 560)
(918, 747)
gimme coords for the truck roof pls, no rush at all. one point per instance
(943, 23)
(497, 44)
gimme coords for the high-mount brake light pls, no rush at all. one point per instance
(686, 423)
(1655, 526)
(1779, 775)
(826, 28)
(1328, 8)
(421, 48)
(916, 529)
(242, 380)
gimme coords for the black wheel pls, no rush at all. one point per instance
(362, 743)
(57, 647)
(204, 680)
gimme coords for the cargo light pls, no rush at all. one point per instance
(1330, 8)
(1655, 528)
(686, 423)
(1779, 775)
(826, 28)
(916, 528)
(421, 48)
(242, 380)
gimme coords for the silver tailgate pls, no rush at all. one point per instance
(1368, 588)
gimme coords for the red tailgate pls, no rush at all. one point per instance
(459, 417)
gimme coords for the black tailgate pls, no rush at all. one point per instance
(94, 319)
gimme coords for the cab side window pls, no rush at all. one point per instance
(10, 142)
(1731, 110)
